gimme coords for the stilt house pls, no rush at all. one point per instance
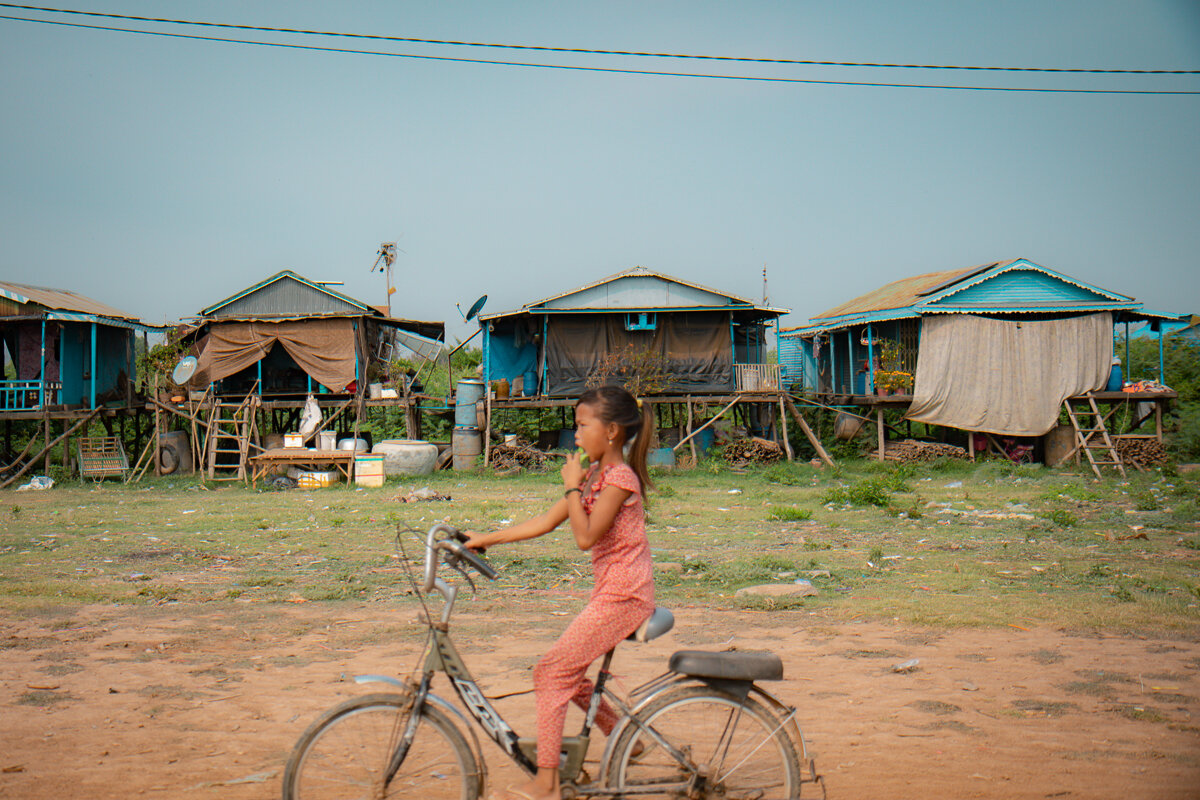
(63, 350)
(289, 336)
(709, 341)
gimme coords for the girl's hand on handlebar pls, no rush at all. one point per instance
(477, 541)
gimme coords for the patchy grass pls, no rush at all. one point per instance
(942, 544)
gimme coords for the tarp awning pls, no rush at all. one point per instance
(323, 348)
(1007, 376)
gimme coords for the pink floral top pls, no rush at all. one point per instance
(621, 558)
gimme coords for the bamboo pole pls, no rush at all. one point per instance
(787, 445)
(808, 432)
(688, 438)
(45, 451)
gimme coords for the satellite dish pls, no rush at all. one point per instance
(476, 307)
(184, 369)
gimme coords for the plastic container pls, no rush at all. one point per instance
(705, 438)
(326, 440)
(530, 385)
(660, 457)
(465, 444)
(368, 470)
(406, 456)
(293, 440)
(470, 392)
(316, 479)
(1116, 380)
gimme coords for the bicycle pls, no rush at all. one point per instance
(702, 729)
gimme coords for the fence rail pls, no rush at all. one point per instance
(757, 377)
(28, 395)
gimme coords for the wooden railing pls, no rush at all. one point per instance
(757, 377)
(28, 395)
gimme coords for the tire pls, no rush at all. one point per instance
(168, 459)
(740, 744)
(345, 753)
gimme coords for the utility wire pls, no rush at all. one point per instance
(451, 42)
(612, 70)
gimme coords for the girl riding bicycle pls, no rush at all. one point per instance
(604, 505)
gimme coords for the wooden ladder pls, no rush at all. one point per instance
(231, 429)
(1086, 438)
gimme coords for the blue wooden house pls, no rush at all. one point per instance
(64, 350)
(837, 352)
(712, 342)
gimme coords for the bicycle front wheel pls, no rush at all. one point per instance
(344, 755)
(727, 748)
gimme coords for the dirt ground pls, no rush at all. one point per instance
(205, 701)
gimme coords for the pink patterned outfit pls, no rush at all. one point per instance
(622, 599)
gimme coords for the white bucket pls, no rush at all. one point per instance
(326, 440)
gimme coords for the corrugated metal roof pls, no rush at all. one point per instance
(637, 272)
(986, 288)
(902, 293)
(60, 300)
(273, 308)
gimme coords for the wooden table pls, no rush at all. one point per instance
(341, 460)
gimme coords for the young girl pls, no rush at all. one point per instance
(604, 506)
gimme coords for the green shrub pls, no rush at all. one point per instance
(1060, 517)
(789, 514)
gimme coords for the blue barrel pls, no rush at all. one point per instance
(470, 392)
(531, 380)
(705, 439)
(660, 457)
(1115, 379)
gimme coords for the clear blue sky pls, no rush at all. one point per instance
(160, 175)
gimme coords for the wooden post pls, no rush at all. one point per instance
(690, 422)
(787, 445)
(971, 445)
(46, 425)
(487, 426)
(1158, 408)
(66, 452)
(882, 433)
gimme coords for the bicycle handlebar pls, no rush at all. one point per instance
(456, 552)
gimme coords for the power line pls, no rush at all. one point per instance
(578, 50)
(612, 70)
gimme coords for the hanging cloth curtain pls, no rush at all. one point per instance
(1005, 376)
(323, 348)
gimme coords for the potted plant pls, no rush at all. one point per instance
(901, 382)
(883, 382)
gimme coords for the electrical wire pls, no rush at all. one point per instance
(587, 51)
(610, 70)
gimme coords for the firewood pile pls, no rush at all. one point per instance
(752, 450)
(521, 455)
(912, 450)
(1141, 451)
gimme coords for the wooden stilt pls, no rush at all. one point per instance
(787, 445)
(808, 432)
(690, 422)
(882, 433)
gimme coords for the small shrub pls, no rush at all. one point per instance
(1060, 517)
(875, 556)
(871, 492)
(789, 514)
(782, 473)
(664, 490)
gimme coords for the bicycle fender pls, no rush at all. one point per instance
(443, 706)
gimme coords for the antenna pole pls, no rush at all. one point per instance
(387, 254)
(764, 284)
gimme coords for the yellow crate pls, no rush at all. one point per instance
(368, 470)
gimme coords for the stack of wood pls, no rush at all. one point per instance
(752, 450)
(912, 450)
(520, 455)
(1140, 451)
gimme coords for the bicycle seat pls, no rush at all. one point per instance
(658, 623)
(735, 666)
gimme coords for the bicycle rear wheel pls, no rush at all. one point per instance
(732, 749)
(344, 755)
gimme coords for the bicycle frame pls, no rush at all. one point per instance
(444, 657)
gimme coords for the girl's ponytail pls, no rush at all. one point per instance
(641, 446)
